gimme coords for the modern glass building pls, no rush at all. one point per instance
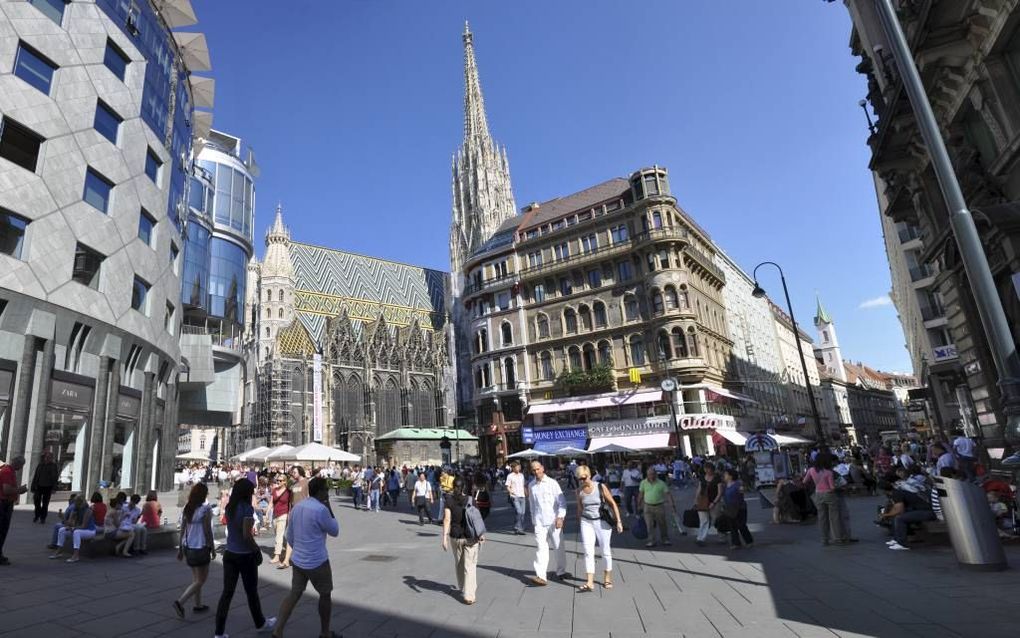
(97, 126)
(217, 252)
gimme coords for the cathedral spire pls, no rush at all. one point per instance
(475, 123)
(821, 315)
(277, 262)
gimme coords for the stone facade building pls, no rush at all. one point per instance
(967, 54)
(370, 333)
(97, 124)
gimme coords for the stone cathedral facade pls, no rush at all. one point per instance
(378, 329)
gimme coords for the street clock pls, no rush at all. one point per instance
(668, 385)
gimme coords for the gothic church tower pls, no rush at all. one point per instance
(276, 287)
(828, 348)
(482, 201)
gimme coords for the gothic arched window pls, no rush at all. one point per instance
(665, 351)
(584, 315)
(679, 343)
(588, 354)
(605, 353)
(599, 312)
(657, 306)
(637, 350)
(570, 320)
(542, 326)
(281, 295)
(692, 342)
(507, 333)
(630, 308)
(509, 373)
(281, 313)
(574, 357)
(546, 366)
(269, 295)
(671, 298)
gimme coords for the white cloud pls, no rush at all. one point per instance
(877, 302)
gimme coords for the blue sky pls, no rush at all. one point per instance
(354, 109)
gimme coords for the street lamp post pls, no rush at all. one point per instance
(671, 385)
(759, 292)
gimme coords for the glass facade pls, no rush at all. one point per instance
(195, 282)
(234, 198)
(227, 272)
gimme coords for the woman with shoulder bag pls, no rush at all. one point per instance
(241, 559)
(595, 504)
(196, 547)
(465, 547)
(706, 496)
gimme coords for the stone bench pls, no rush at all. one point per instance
(163, 538)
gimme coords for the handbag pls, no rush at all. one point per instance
(723, 524)
(691, 518)
(606, 513)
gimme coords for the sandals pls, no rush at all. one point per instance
(585, 587)
(282, 566)
(607, 580)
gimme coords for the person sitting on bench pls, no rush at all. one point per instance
(83, 529)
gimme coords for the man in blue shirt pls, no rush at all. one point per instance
(310, 521)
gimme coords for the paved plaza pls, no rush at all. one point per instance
(393, 579)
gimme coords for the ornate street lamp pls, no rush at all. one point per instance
(758, 293)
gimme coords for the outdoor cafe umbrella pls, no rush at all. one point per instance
(530, 453)
(611, 447)
(570, 451)
(197, 455)
(244, 456)
(315, 452)
(262, 457)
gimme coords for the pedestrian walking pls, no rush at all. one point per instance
(966, 455)
(591, 498)
(482, 498)
(358, 486)
(518, 496)
(9, 493)
(375, 488)
(281, 510)
(311, 521)
(241, 559)
(465, 547)
(44, 481)
(735, 509)
(393, 487)
(652, 496)
(197, 548)
(421, 498)
(823, 478)
(706, 494)
(548, 509)
(631, 484)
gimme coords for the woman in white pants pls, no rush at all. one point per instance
(707, 495)
(590, 497)
(84, 529)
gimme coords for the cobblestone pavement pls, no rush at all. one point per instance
(393, 579)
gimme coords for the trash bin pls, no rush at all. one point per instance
(971, 524)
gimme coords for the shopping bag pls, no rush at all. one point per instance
(691, 518)
(639, 529)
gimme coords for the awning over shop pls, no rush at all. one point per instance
(596, 401)
(789, 439)
(657, 441)
(733, 436)
(729, 394)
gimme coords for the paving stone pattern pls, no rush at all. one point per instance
(392, 579)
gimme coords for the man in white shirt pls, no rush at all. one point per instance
(966, 455)
(309, 523)
(515, 487)
(548, 509)
(631, 481)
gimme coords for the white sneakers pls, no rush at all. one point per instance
(896, 546)
(270, 623)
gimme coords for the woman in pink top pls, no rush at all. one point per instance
(822, 477)
(151, 511)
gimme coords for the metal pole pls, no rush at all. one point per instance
(803, 363)
(676, 424)
(975, 262)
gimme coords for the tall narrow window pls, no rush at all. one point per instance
(140, 296)
(656, 219)
(12, 233)
(281, 295)
(97, 190)
(570, 320)
(146, 228)
(18, 144)
(32, 67)
(671, 298)
(542, 326)
(538, 292)
(630, 308)
(107, 122)
(605, 353)
(599, 312)
(115, 60)
(168, 318)
(546, 365)
(52, 9)
(574, 356)
(657, 306)
(152, 166)
(637, 350)
(507, 333)
(87, 264)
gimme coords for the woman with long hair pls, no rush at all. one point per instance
(591, 495)
(465, 548)
(822, 477)
(196, 548)
(241, 558)
(84, 528)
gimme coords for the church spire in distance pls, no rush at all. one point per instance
(482, 196)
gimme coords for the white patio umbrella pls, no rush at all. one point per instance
(197, 455)
(270, 455)
(194, 50)
(570, 451)
(177, 13)
(611, 447)
(530, 453)
(313, 452)
(248, 454)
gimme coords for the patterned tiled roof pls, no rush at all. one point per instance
(294, 341)
(581, 200)
(328, 281)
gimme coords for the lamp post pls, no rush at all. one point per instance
(758, 293)
(671, 385)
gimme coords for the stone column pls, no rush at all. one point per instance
(33, 444)
(94, 444)
(143, 440)
(22, 399)
(109, 421)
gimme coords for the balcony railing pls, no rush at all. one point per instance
(577, 258)
(219, 340)
(704, 261)
(655, 234)
(507, 279)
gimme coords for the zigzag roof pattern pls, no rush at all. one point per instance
(328, 281)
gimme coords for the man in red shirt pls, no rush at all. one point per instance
(9, 493)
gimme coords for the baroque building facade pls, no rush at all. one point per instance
(348, 348)
(967, 53)
(98, 124)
